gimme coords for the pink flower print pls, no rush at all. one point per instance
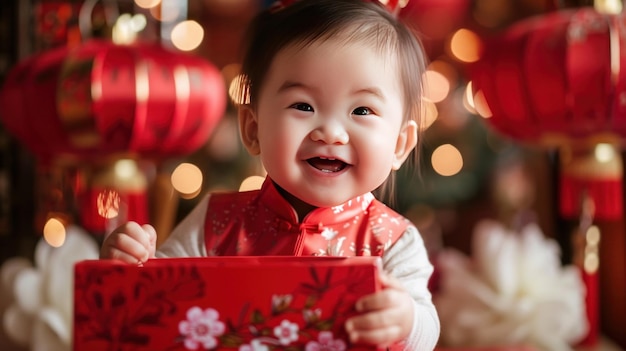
(255, 345)
(201, 328)
(325, 342)
(286, 332)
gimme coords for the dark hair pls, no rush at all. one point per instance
(308, 21)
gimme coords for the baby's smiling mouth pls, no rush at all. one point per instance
(328, 165)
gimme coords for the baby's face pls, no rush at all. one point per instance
(330, 121)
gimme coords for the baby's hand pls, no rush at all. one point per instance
(130, 243)
(384, 317)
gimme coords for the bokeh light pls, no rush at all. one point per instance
(605, 152)
(187, 180)
(437, 86)
(251, 183)
(480, 104)
(465, 45)
(147, 4)
(125, 169)
(429, 114)
(160, 14)
(447, 160)
(468, 99)
(187, 35)
(54, 232)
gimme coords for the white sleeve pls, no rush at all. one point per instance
(407, 261)
(187, 239)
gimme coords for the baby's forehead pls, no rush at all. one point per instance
(386, 49)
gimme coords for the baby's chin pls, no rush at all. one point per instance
(313, 199)
(325, 201)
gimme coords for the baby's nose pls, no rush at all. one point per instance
(330, 133)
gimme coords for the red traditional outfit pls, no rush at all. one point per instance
(262, 222)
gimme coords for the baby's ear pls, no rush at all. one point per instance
(407, 139)
(248, 129)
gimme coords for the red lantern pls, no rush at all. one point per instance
(101, 99)
(556, 81)
(99, 102)
(559, 81)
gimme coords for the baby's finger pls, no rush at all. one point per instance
(128, 249)
(389, 282)
(383, 336)
(119, 255)
(137, 232)
(152, 239)
(370, 321)
(378, 301)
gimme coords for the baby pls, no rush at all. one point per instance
(331, 104)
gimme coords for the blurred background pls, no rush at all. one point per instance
(117, 110)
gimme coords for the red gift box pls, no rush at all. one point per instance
(220, 303)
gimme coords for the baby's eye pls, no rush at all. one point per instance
(362, 111)
(302, 107)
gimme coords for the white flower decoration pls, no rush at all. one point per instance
(286, 332)
(202, 327)
(514, 290)
(41, 315)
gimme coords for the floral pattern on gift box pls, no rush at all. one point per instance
(123, 313)
(128, 308)
(294, 322)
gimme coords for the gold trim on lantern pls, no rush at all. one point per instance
(584, 163)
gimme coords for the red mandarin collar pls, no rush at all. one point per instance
(314, 221)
